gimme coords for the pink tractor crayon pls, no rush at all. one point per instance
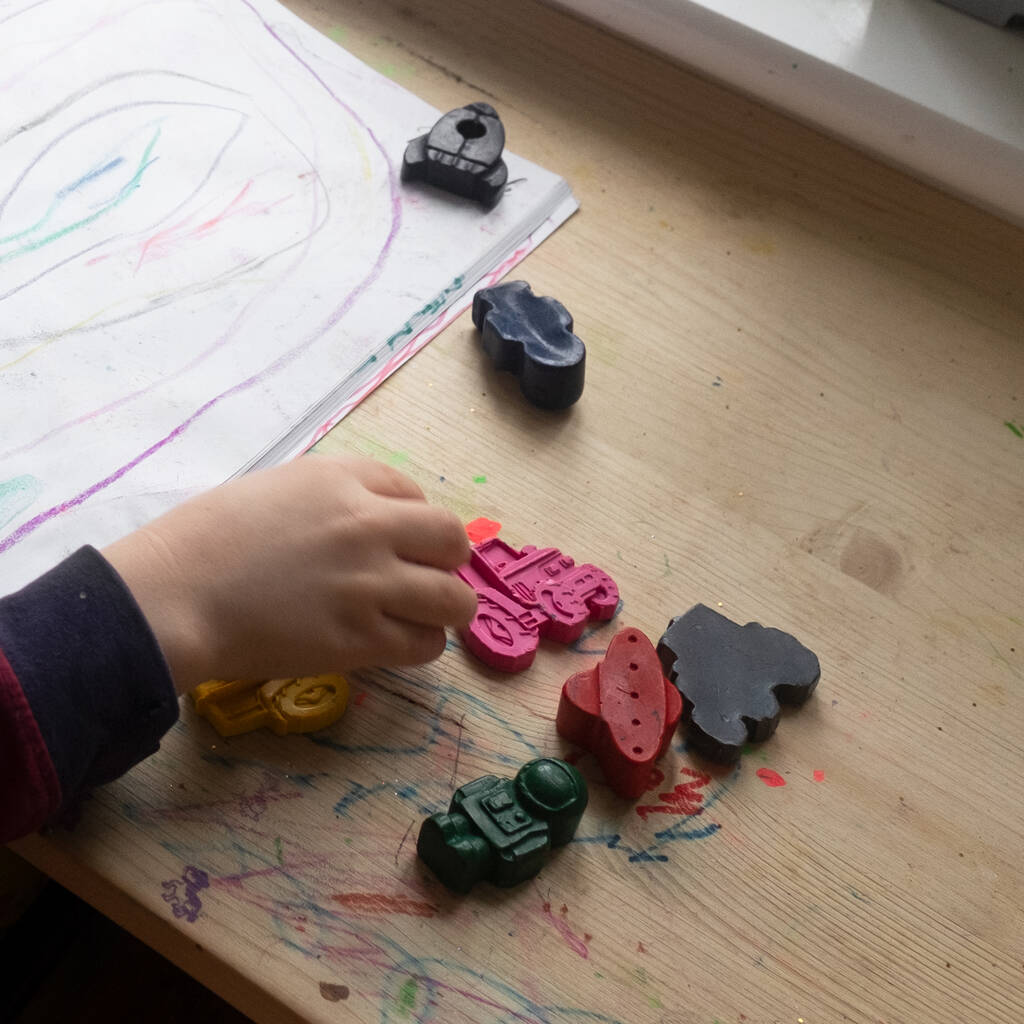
(524, 595)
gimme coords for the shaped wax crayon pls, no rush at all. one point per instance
(623, 710)
(501, 830)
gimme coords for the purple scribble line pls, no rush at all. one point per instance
(396, 202)
(33, 524)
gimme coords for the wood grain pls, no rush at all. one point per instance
(801, 365)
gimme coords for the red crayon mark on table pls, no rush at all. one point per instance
(685, 799)
(819, 775)
(572, 940)
(373, 903)
(333, 993)
(248, 805)
(359, 698)
(482, 529)
(641, 948)
(770, 778)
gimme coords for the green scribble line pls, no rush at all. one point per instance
(16, 495)
(1014, 428)
(407, 997)
(435, 305)
(38, 224)
(277, 850)
(126, 190)
(413, 325)
(60, 197)
(481, 479)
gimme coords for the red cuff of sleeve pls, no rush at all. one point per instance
(29, 791)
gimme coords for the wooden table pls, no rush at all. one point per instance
(804, 406)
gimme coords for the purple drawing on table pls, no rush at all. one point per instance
(183, 893)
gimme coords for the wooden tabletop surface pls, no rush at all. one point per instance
(804, 406)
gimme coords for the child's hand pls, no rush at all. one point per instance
(321, 565)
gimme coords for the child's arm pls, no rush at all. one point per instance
(321, 565)
(84, 690)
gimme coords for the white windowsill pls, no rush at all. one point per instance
(920, 85)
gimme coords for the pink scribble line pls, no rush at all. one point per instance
(166, 237)
(399, 359)
(372, 956)
(503, 268)
(360, 949)
(508, 1011)
(160, 235)
(33, 524)
(572, 940)
(215, 220)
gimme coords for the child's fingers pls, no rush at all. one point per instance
(384, 480)
(429, 597)
(408, 643)
(428, 535)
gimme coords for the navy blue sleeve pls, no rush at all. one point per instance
(91, 670)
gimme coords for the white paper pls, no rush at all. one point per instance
(206, 253)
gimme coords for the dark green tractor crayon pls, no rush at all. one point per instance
(500, 830)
